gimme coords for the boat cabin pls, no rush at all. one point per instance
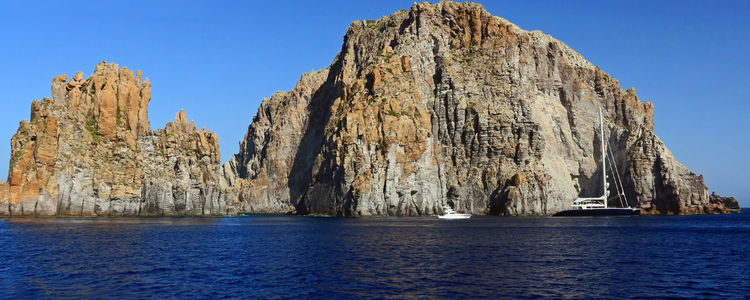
(588, 203)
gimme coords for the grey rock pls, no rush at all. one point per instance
(446, 104)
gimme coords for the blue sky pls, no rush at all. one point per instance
(218, 59)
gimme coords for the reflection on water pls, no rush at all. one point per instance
(286, 256)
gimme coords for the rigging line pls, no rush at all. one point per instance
(621, 192)
(618, 177)
(617, 173)
(610, 161)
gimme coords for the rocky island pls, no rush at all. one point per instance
(440, 104)
(90, 151)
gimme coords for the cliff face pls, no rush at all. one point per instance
(441, 104)
(445, 103)
(260, 173)
(91, 151)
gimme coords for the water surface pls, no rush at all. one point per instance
(288, 256)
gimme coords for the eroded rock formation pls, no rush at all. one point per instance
(445, 103)
(91, 151)
(440, 104)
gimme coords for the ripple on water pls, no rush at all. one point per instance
(286, 256)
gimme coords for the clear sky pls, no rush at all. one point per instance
(218, 59)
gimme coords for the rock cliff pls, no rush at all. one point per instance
(91, 151)
(443, 104)
(447, 104)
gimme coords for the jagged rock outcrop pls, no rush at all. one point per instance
(441, 104)
(446, 104)
(730, 204)
(91, 151)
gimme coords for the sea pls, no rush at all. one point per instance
(284, 256)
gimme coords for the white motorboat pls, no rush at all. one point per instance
(450, 214)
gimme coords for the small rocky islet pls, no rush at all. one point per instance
(440, 104)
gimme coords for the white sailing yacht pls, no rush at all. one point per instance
(597, 206)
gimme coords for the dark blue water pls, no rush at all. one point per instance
(286, 256)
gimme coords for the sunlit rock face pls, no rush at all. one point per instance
(447, 104)
(91, 151)
(439, 105)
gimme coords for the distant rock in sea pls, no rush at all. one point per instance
(91, 151)
(441, 104)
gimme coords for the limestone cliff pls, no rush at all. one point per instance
(91, 151)
(445, 103)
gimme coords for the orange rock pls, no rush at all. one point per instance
(181, 121)
(129, 105)
(517, 180)
(144, 98)
(47, 143)
(405, 64)
(34, 155)
(373, 82)
(107, 178)
(4, 194)
(107, 118)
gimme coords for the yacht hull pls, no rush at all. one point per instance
(598, 212)
(454, 216)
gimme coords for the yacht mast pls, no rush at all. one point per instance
(592, 206)
(604, 157)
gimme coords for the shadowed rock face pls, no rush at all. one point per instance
(445, 103)
(91, 151)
